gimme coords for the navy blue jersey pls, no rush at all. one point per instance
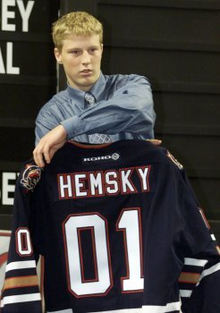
(119, 229)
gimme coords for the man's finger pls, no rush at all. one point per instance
(46, 156)
(38, 158)
(155, 142)
(48, 145)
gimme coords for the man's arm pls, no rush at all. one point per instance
(48, 145)
(53, 141)
(128, 109)
(200, 278)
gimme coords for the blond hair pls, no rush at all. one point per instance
(77, 23)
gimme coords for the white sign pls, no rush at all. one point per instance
(8, 181)
(8, 18)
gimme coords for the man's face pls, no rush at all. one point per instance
(81, 59)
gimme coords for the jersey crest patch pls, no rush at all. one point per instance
(174, 160)
(31, 177)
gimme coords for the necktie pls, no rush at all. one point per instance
(96, 138)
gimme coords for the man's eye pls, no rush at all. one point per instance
(92, 50)
(75, 52)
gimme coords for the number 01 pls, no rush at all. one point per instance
(129, 223)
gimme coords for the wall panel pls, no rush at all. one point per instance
(27, 81)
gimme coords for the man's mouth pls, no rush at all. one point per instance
(87, 71)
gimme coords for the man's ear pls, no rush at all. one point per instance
(57, 55)
(101, 50)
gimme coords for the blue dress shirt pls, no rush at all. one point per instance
(123, 109)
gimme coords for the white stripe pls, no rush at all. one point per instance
(195, 262)
(20, 298)
(3, 232)
(20, 265)
(213, 237)
(185, 293)
(209, 271)
(170, 307)
(62, 311)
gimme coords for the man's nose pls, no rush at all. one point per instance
(86, 58)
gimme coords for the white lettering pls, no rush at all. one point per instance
(8, 188)
(24, 246)
(125, 181)
(25, 13)
(65, 187)
(143, 173)
(98, 158)
(2, 66)
(10, 69)
(80, 185)
(96, 184)
(112, 184)
(8, 14)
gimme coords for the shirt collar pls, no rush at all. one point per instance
(78, 95)
(98, 88)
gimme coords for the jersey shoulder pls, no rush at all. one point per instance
(119, 152)
(154, 154)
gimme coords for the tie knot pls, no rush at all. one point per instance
(89, 98)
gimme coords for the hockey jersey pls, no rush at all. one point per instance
(119, 229)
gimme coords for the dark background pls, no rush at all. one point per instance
(175, 43)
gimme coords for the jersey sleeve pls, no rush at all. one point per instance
(20, 292)
(200, 278)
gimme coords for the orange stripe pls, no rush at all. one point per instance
(191, 278)
(18, 282)
(3, 258)
(87, 146)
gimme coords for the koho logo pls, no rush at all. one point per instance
(103, 158)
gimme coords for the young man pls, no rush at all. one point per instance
(107, 107)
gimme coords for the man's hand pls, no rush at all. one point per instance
(48, 145)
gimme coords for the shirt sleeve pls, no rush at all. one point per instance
(200, 278)
(20, 290)
(130, 109)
